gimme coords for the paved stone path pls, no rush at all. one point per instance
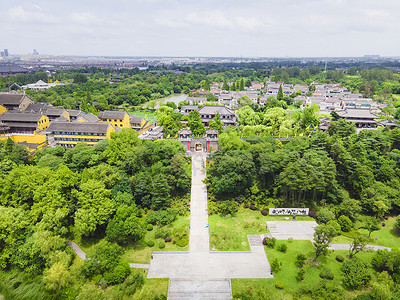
(139, 266)
(347, 247)
(77, 249)
(199, 273)
(297, 230)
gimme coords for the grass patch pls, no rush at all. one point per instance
(153, 286)
(265, 288)
(149, 116)
(386, 236)
(141, 253)
(230, 233)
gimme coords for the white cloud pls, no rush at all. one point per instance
(173, 27)
(213, 19)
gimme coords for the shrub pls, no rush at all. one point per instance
(181, 236)
(269, 242)
(149, 227)
(279, 285)
(397, 223)
(276, 265)
(161, 244)
(182, 242)
(132, 284)
(339, 258)
(383, 224)
(162, 233)
(167, 240)
(282, 248)
(246, 205)
(301, 274)
(162, 217)
(325, 215)
(264, 212)
(355, 274)
(228, 208)
(252, 207)
(150, 243)
(324, 289)
(326, 274)
(312, 214)
(345, 223)
(301, 260)
(335, 225)
(118, 275)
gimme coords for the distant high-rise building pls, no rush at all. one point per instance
(1, 53)
(5, 52)
(35, 52)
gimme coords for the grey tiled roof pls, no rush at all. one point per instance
(135, 119)
(357, 113)
(11, 98)
(75, 112)
(37, 107)
(213, 109)
(53, 111)
(212, 131)
(9, 116)
(90, 118)
(110, 114)
(78, 127)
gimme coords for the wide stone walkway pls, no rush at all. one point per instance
(297, 230)
(199, 273)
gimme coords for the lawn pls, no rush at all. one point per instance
(153, 286)
(149, 116)
(386, 236)
(230, 233)
(141, 253)
(265, 288)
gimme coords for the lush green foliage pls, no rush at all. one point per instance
(355, 274)
(83, 194)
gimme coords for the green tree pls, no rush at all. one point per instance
(125, 226)
(309, 118)
(322, 240)
(216, 123)
(195, 123)
(247, 116)
(225, 86)
(355, 274)
(359, 244)
(57, 277)
(371, 224)
(241, 84)
(121, 143)
(80, 78)
(160, 193)
(94, 207)
(342, 128)
(13, 223)
(279, 96)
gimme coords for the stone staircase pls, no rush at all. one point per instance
(254, 240)
(199, 289)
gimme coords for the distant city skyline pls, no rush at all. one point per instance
(219, 28)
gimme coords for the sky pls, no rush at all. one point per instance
(202, 28)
